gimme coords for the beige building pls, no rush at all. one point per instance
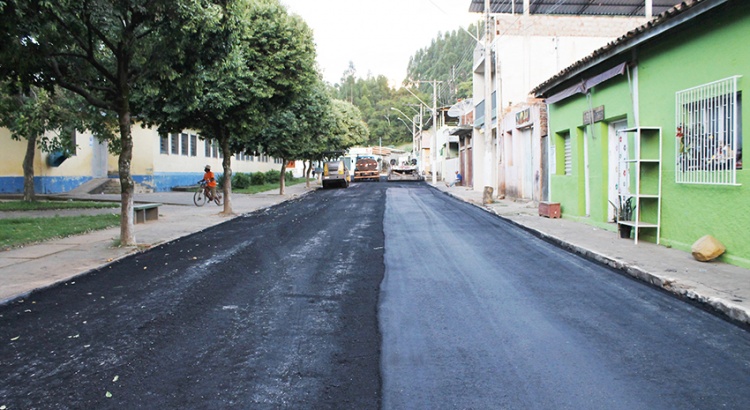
(159, 163)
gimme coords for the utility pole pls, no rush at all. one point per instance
(435, 129)
(433, 144)
(487, 95)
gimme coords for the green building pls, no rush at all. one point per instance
(646, 132)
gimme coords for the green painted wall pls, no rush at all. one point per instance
(716, 50)
(567, 117)
(711, 50)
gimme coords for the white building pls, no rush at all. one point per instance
(530, 43)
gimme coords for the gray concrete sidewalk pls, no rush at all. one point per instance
(32, 267)
(717, 286)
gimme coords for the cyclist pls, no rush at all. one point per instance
(208, 177)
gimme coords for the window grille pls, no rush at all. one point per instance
(175, 144)
(164, 144)
(185, 144)
(568, 155)
(708, 145)
(207, 144)
(193, 145)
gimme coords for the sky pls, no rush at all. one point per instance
(378, 36)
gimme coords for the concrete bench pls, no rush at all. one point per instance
(146, 212)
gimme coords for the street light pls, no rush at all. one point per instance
(404, 114)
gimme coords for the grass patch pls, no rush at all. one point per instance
(21, 231)
(254, 189)
(44, 205)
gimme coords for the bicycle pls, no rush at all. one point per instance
(203, 194)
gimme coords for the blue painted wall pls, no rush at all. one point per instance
(160, 182)
(42, 185)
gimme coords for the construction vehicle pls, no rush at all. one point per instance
(366, 169)
(404, 172)
(335, 172)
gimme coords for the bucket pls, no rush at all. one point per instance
(624, 231)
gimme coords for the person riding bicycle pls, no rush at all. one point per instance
(210, 181)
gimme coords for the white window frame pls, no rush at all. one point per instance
(568, 147)
(706, 143)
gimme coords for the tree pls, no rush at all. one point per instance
(347, 129)
(106, 52)
(268, 60)
(297, 131)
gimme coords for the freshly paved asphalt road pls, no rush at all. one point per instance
(380, 295)
(476, 313)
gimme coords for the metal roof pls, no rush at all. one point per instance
(575, 7)
(672, 18)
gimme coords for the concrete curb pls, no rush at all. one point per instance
(720, 307)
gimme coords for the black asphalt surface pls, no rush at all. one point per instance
(274, 310)
(478, 314)
(382, 295)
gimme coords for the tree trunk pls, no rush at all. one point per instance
(127, 227)
(307, 173)
(28, 169)
(282, 183)
(227, 185)
(304, 173)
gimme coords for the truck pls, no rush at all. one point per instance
(366, 169)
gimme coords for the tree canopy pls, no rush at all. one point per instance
(267, 63)
(448, 59)
(107, 52)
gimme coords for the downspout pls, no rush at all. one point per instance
(635, 98)
(633, 85)
(586, 172)
(549, 156)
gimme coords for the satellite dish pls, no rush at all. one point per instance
(461, 108)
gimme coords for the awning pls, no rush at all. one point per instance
(587, 84)
(461, 131)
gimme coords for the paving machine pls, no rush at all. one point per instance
(404, 172)
(335, 171)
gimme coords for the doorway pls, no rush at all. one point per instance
(617, 182)
(99, 157)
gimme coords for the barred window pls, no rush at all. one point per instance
(193, 145)
(708, 143)
(207, 144)
(175, 144)
(164, 144)
(568, 154)
(185, 144)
